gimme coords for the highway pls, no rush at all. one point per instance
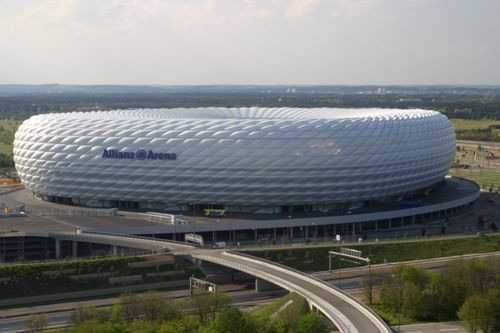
(445, 327)
(11, 319)
(347, 313)
(428, 264)
(63, 318)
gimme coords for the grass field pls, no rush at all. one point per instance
(487, 179)
(316, 259)
(267, 311)
(10, 124)
(8, 128)
(462, 124)
(5, 148)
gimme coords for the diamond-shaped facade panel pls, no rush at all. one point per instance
(233, 156)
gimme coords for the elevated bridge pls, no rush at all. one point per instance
(348, 314)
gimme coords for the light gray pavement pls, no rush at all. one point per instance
(444, 327)
(484, 144)
(46, 216)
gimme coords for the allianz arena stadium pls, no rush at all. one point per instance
(240, 159)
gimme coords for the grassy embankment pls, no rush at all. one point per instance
(463, 124)
(488, 179)
(316, 258)
(477, 130)
(46, 278)
(266, 312)
(8, 128)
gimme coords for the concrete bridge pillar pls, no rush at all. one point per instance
(75, 249)
(114, 249)
(263, 285)
(58, 249)
(313, 308)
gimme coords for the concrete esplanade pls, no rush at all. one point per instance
(348, 314)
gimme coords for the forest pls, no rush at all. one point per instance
(25, 101)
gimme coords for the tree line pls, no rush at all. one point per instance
(480, 134)
(461, 105)
(205, 312)
(467, 290)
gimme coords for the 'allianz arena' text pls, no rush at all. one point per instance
(244, 159)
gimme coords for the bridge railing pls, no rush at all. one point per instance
(329, 285)
(343, 324)
(161, 240)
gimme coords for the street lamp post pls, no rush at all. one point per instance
(339, 273)
(194, 217)
(289, 231)
(230, 233)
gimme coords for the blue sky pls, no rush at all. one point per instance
(250, 41)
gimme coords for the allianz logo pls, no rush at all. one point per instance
(139, 154)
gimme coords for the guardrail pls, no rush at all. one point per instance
(166, 241)
(318, 280)
(340, 320)
(132, 241)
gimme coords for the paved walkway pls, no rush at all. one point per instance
(444, 327)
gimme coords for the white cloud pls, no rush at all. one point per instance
(302, 8)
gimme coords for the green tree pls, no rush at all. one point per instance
(93, 326)
(208, 304)
(85, 313)
(36, 323)
(152, 305)
(388, 296)
(417, 276)
(277, 326)
(441, 299)
(173, 326)
(129, 304)
(231, 320)
(143, 326)
(312, 323)
(402, 291)
(478, 311)
(411, 299)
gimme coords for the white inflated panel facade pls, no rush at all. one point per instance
(233, 156)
